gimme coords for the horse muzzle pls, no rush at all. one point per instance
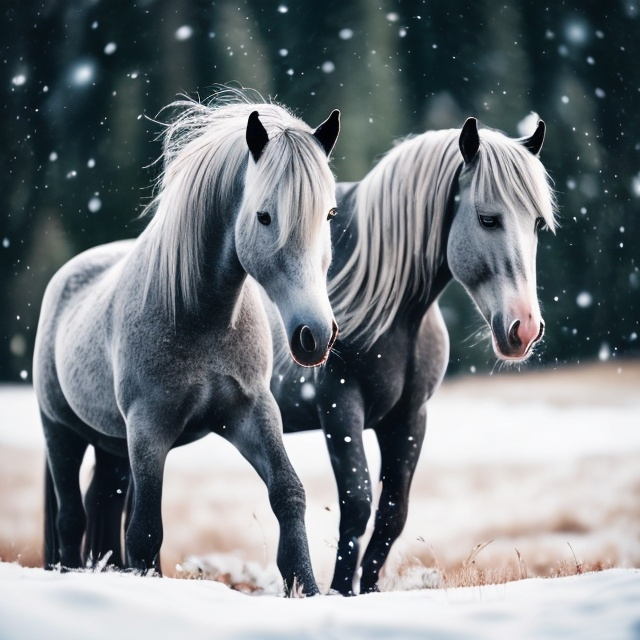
(308, 349)
(515, 343)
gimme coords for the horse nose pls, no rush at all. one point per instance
(310, 346)
(527, 334)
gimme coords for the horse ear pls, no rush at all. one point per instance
(327, 132)
(534, 143)
(257, 136)
(469, 141)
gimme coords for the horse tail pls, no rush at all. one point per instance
(104, 505)
(51, 547)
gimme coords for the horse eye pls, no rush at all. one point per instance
(489, 222)
(264, 218)
(540, 224)
(332, 213)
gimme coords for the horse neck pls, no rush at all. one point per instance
(220, 275)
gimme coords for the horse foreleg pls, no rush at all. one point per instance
(400, 444)
(259, 440)
(64, 513)
(147, 456)
(343, 423)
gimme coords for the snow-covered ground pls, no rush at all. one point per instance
(543, 465)
(36, 605)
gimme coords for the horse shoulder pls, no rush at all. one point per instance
(249, 343)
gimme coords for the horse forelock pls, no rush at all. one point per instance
(205, 155)
(293, 176)
(509, 174)
(400, 210)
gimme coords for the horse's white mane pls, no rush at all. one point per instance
(400, 210)
(204, 156)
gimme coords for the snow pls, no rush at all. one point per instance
(35, 604)
(547, 464)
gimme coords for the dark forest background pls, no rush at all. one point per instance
(80, 78)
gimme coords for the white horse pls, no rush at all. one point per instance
(149, 344)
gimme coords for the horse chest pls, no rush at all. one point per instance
(382, 379)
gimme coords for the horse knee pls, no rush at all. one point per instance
(288, 499)
(355, 514)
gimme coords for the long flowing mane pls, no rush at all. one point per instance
(204, 156)
(400, 210)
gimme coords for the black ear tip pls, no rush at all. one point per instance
(469, 141)
(534, 142)
(327, 132)
(470, 123)
(256, 135)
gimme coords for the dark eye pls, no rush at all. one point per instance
(332, 213)
(489, 222)
(264, 218)
(540, 224)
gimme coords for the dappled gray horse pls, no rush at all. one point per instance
(446, 204)
(149, 344)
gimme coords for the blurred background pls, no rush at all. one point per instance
(80, 79)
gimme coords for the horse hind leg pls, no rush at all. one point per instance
(51, 544)
(64, 512)
(104, 504)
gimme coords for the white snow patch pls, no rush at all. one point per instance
(38, 604)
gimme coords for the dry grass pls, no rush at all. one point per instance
(473, 572)
(410, 574)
